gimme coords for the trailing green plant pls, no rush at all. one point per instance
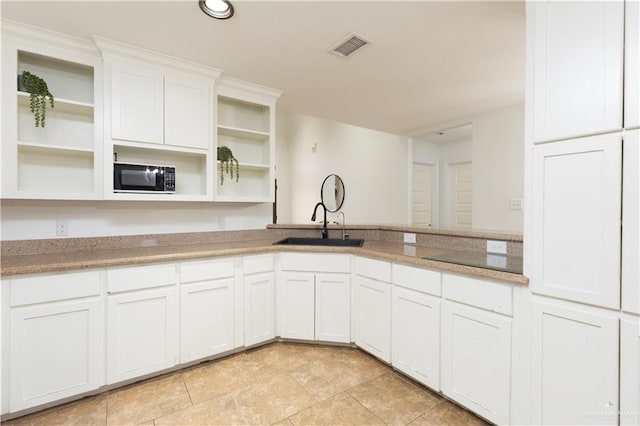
(39, 94)
(228, 163)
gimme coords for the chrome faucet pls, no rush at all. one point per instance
(325, 231)
(344, 232)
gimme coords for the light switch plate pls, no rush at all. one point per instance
(409, 238)
(499, 247)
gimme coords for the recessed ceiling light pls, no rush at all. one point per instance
(219, 9)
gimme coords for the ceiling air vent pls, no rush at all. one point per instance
(349, 45)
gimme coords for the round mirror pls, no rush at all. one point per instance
(332, 193)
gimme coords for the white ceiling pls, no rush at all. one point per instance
(430, 62)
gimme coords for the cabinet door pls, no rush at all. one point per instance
(574, 366)
(577, 67)
(632, 65)
(206, 319)
(137, 103)
(415, 335)
(631, 223)
(296, 305)
(576, 220)
(630, 371)
(259, 302)
(333, 308)
(188, 112)
(476, 360)
(142, 332)
(56, 351)
(373, 317)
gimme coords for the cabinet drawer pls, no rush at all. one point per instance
(315, 262)
(50, 288)
(418, 279)
(256, 264)
(483, 294)
(201, 270)
(375, 269)
(140, 277)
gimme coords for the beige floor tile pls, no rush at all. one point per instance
(284, 422)
(87, 411)
(140, 403)
(272, 399)
(448, 414)
(217, 378)
(274, 358)
(333, 374)
(342, 409)
(394, 399)
(221, 410)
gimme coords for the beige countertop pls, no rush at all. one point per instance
(101, 258)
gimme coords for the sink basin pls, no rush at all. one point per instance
(320, 242)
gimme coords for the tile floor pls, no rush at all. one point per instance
(279, 384)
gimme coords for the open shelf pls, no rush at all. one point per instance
(243, 116)
(242, 133)
(253, 185)
(53, 147)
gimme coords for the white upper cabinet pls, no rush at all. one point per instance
(188, 111)
(632, 65)
(576, 220)
(577, 67)
(631, 223)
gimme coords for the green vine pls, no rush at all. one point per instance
(38, 95)
(228, 164)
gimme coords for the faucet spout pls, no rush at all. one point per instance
(325, 231)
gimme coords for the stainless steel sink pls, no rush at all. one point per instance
(337, 242)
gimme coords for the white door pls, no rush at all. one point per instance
(460, 185)
(631, 223)
(630, 371)
(142, 332)
(296, 305)
(476, 360)
(574, 366)
(415, 335)
(576, 220)
(422, 194)
(259, 313)
(188, 112)
(578, 90)
(137, 103)
(56, 351)
(333, 308)
(632, 65)
(373, 317)
(206, 318)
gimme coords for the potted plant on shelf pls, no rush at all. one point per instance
(39, 94)
(228, 163)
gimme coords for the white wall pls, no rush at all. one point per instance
(372, 164)
(498, 168)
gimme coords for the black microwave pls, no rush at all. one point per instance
(130, 177)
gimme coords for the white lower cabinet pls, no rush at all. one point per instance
(259, 308)
(630, 371)
(207, 308)
(56, 345)
(142, 321)
(373, 307)
(574, 371)
(476, 345)
(314, 305)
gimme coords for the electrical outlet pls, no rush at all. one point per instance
(62, 228)
(409, 238)
(515, 204)
(222, 222)
(499, 247)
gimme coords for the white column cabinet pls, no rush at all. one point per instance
(207, 308)
(630, 371)
(631, 223)
(578, 90)
(372, 307)
(574, 365)
(576, 220)
(142, 331)
(56, 337)
(632, 65)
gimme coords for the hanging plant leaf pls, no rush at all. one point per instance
(39, 94)
(228, 163)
